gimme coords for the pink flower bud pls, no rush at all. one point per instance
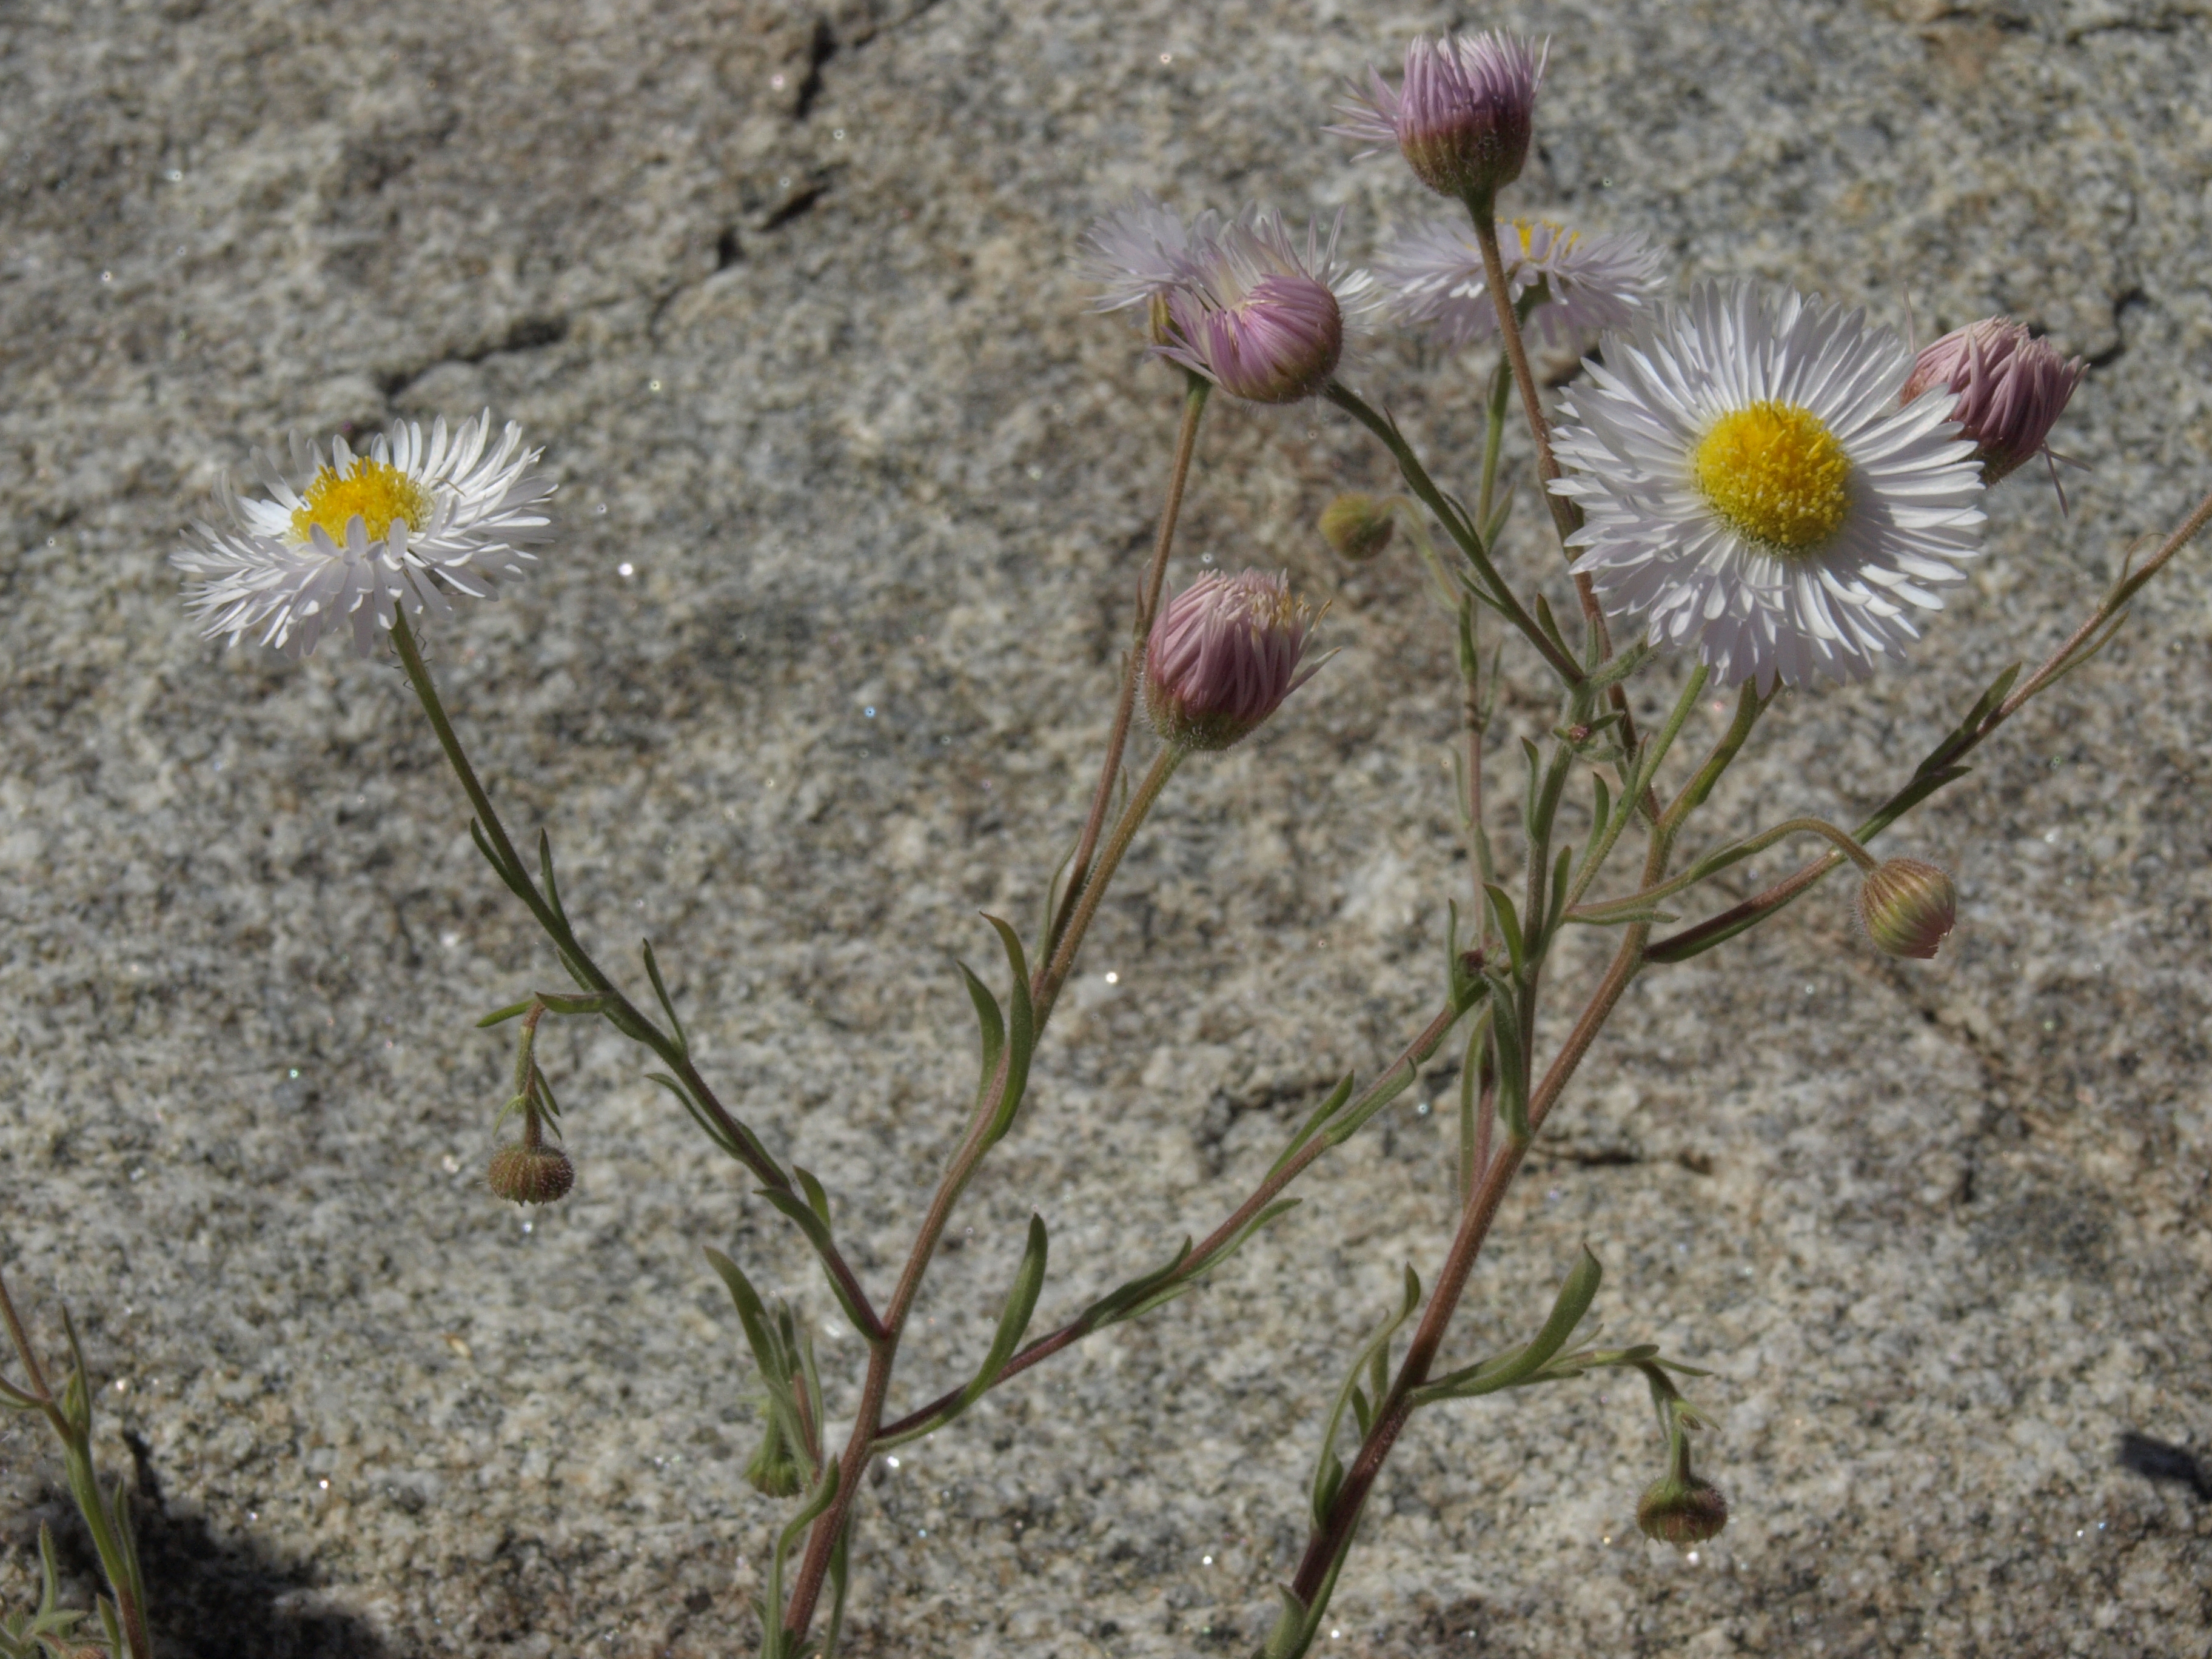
(1223, 656)
(1260, 313)
(2011, 388)
(1463, 115)
(1909, 907)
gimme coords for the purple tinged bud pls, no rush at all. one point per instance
(1223, 655)
(1908, 907)
(2011, 389)
(1463, 114)
(1262, 311)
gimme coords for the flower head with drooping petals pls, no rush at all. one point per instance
(403, 524)
(2012, 387)
(1262, 313)
(1752, 492)
(1433, 277)
(1223, 656)
(1463, 115)
(1141, 252)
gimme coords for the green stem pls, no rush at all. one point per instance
(621, 1013)
(1496, 592)
(1493, 440)
(829, 1527)
(1713, 863)
(1715, 930)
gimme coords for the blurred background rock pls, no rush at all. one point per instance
(852, 497)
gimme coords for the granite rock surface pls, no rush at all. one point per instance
(851, 496)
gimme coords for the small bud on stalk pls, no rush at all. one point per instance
(1357, 525)
(774, 1469)
(1463, 115)
(1223, 656)
(528, 1171)
(2011, 388)
(1908, 907)
(1681, 1511)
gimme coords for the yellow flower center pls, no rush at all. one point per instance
(377, 493)
(1777, 474)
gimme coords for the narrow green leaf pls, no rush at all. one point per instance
(1575, 1294)
(1159, 1298)
(1509, 924)
(668, 1006)
(1111, 1309)
(500, 1015)
(546, 875)
(817, 1232)
(988, 1020)
(1322, 1114)
(1021, 1034)
(517, 883)
(1561, 870)
(760, 1335)
(714, 1130)
(1984, 705)
(1014, 1319)
(1409, 1298)
(816, 1200)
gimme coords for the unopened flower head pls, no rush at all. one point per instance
(2011, 388)
(1223, 656)
(1908, 907)
(1681, 1511)
(1140, 253)
(1356, 525)
(1463, 115)
(347, 538)
(528, 1171)
(1262, 311)
(1752, 490)
(1432, 277)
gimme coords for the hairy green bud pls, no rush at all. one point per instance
(1678, 1510)
(1908, 907)
(1357, 525)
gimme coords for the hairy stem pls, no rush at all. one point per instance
(860, 1447)
(1133, 668)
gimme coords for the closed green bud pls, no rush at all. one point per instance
(1678, 1509)
(1357, 525)
(1908, 907)
(773, 1471)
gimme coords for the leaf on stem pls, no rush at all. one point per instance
(668, 1006)
(992, 1025)
(1984, 705)
(700, 1116)
(1329, 1468)
(816, 1231)
(1322, 1114)
(1021, 1036)
(1509, 924)
(1013, 1324)
(816, 1200)
(1524, 1364)
(546, 875)
(775, 1641)
(1114, 1306)
(517, 883)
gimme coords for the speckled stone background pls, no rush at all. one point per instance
(852, 493)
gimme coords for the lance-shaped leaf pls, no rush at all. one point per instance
(1161, 1295)
(1113, 1307)
(668, 1006)
(517, 881)
(816, 1231)
(714, 1131)
(990, 1024)
(1322, 1114)
(1618, 669)
(1984, 705)
(1576, 1293)
(1014, 1324)
(775, 1641)
(546, 875)
(1021, 1036)
(816, 1200)
(1329, 1469)
(1509, 924)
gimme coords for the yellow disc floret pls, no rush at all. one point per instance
(1778, 475)
(377, 493)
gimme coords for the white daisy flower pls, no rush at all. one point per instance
(1432, 277)
(403, 524)
(1750, 488)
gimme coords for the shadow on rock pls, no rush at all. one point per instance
(212, 1598)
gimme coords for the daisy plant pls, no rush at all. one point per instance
(1769, 486)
